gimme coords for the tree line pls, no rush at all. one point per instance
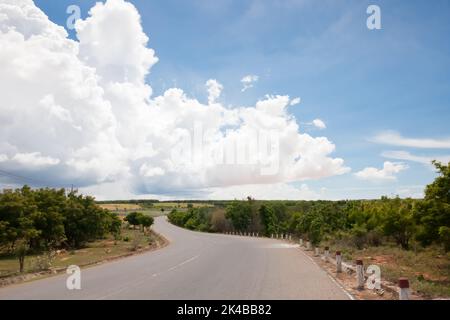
(35, 220)
(359, 222)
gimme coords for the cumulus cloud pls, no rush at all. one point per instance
(395, 139)
(248, 81)
(387, 173)
(214, 90)
(319, 124)
(34, 159)
(112, 41)
(89, 118)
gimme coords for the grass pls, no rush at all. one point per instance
(157, 209)
(120, 206)
(149, 212)
(428, 269)
(94, 252)
(183, 205)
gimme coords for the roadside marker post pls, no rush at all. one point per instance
(338, 262)
(326, 254)
(301, 242)
(359, 275)
(403, 289)
(308, 245)
(316, 252)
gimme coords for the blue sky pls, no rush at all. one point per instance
(360, 82)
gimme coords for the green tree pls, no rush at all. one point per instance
(433, 214)
(240, 214)
(399, 221)
(133, 218)
(145, 221)
(268, 219)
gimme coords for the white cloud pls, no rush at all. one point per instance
(248, 81)
(319, 124)
(88, 117)
(407, 156)
(214, 90)
(386, 173)
(295, 101)
(112, 41)
(395, 139)
(3, 157)
(148, 171)
(34, 159)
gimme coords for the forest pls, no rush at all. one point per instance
(42, 220)
(359, 223)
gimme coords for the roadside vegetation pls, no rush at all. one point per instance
(152, 208)
(44, 229)
(410, 237)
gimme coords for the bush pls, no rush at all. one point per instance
(44, 262)
(444, 236)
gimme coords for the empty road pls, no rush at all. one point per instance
(195, 266)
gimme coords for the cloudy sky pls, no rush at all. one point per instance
(221, 99)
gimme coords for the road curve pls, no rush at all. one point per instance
(195, 266)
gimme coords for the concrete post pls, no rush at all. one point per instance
(301, 242)
(326, 254)
(308, 245)
(403, 289)
(359, 275)
(316, 251)
(271, 235)
(338, 262)
(290, 237)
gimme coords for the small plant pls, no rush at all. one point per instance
(44, 262)
(126, 239)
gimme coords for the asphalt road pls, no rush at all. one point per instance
(195, 266)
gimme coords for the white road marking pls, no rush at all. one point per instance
(183, 263)
(139, 282)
